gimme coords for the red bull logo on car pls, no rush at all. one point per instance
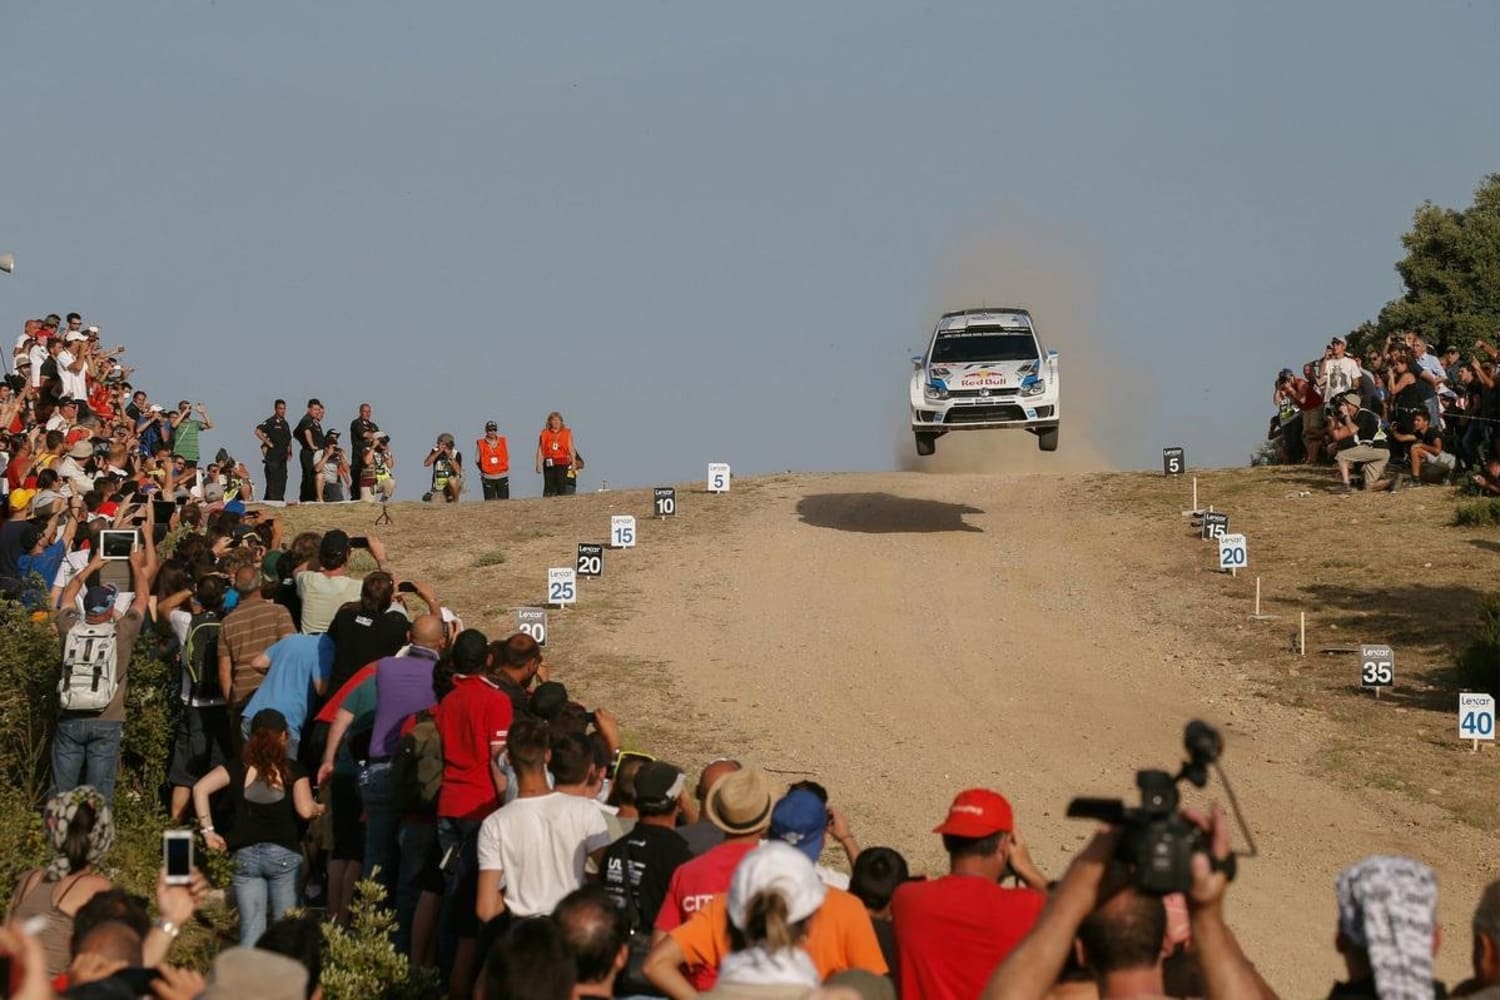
(983, 378)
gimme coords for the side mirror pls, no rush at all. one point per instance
(916, 361)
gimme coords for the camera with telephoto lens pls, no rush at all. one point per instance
(1157, 844)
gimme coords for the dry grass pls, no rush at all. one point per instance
(1374, 568)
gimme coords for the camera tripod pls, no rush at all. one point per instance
(385, 514)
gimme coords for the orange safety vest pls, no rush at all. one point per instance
(557, 446)
(492, 461)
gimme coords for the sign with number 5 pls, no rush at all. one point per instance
(718, 477)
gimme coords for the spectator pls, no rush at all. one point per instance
(1359, 438)
(531, 851)
(331, 465)
(1340, 372)
(301, 940)
(700, 832)
(96, 650)
(772, 897)
(1429, 371)
(275, 437)
(1387, 932)
(372, 629)
(622, 789)
(1486, 948)
(878, 873)
(285, 567)
(519, 662)
(362, 432)
(186, 428)
(253, 972)
(1309, 402)
(296, 672)
(1487, 481)
(403, 687)
(132, 938)
(202, 741)
(638, 868)
(378, 475)
(268, 791)
(324, 590)
(532, 960)
(739, 804)
(473, 721)
(1121, 932)
(80, 829)
(447, 467)
(255, 626)
(494, 463)
(556, 458)
(951, 932)
(1429, 462)
(594, 932)
(350, 715)
(802, 818)
(309, 435)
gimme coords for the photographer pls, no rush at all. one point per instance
(1121, 929)
(1359, 438)
(447, 470)
(362, 431)
(376, 468)
(332, 468)
(1287, 426)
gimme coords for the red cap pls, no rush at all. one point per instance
(978, 812)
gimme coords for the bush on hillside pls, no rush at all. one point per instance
(1478, 514)
(361, 963)
(1479, 665)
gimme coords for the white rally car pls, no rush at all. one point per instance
(984, 370)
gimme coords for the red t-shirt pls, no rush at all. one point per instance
(953, 932)
(693, 887)
(331, 707)
(472, 720)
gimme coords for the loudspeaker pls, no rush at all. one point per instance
(7, 262)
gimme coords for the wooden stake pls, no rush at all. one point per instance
(1302, 634)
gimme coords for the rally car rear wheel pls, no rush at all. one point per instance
(926, 443)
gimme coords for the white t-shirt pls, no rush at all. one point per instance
(74, 384)
(539, 845)
(1340, 375)
(38, 358)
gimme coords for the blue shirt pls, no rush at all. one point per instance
(296, 662)
(45, 565)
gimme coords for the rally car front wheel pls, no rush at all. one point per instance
(926, 443)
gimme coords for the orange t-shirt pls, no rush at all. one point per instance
(493, 461)
(557, 446)
(839, 936)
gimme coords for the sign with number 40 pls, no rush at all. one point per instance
(1476, 717)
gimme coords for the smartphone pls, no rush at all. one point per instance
(163, 509)
(138, 520)
(406, 587)
(177, 856)
(116, 544)
(359, 542)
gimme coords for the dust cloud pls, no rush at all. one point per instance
(1018, 264)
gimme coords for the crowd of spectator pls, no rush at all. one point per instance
(1427, 417)
(334, 725)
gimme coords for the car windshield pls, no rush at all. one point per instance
(983, 345)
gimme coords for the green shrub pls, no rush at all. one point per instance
(1478, 514)
(494, 557)
(361, 963)
(1479, 665)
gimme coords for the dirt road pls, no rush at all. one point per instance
(900, 637)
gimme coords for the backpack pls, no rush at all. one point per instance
(200, 655)
(90, 668)
(417, 767)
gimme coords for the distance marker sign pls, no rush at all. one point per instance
(1476, 717)
(622, 531)
(533, 622)
(1234, 552)
(664, 499)
(562, 586)
(1377, 667)
(1215, 524)
(718, 477)
(1173, 461)
(590, 559)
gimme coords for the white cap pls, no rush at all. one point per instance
(156, 408)
(91, 329)
(75, 335)
(775, 865)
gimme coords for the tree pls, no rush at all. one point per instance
(1452, 273)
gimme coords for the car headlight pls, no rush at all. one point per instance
(935, 392)
(1034, 389)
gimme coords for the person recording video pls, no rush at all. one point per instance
(332, 468)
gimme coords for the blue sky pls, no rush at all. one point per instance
(713, 232)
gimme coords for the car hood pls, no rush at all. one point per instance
(983, 375)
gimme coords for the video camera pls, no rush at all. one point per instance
(1158, 845)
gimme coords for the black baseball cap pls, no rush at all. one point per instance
(657, 785)
(548, 700)
(334, 546)
(491, 426)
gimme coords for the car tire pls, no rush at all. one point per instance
(926, 443)
(1046, 440)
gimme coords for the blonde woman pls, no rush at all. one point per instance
(556, 458)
